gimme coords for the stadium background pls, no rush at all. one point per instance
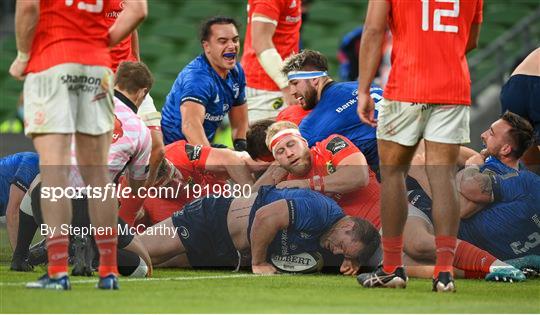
(169, 40)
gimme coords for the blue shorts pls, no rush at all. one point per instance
(521, 95)
(202, 229)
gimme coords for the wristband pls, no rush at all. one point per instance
(21, 56)
(240, 145)
(317, 183)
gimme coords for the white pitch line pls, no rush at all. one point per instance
(94, 280)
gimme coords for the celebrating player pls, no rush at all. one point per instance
(208, 88)
(427, 96)
(272, 34)
(63, 48)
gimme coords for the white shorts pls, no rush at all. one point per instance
(69, 98)
(406, 123)
(263, 104)
(148, 113)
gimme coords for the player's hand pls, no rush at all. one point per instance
(279, 174)
(288, 98)
(17, 68)
(263, 269)
(254, 165)
(477, 159)
(349, 267)
(295, 183)
(366, 109)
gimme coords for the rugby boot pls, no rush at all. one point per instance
(83, 254)
(37, 254)
(530, 265)
(505, 274)
(45, 282)
(109, 282)
(444, 283)
(380, 279)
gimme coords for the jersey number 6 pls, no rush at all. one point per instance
(92, 8)
(437, 14)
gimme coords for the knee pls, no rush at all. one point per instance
(421, 248)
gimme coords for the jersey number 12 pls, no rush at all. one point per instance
(437, 14)
(92, 8)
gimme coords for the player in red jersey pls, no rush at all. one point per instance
(294, 114)
(427, 96)
(272, 34)
(190, 168)
(128, 50)
(334, 166)
(63, 49)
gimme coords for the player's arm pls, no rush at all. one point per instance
(192, 122)
(238, 117)
(272, 176)
(156, 156)
(268, 221)
(135, 45)
(16, 195)
(135, 11)
(475, 186)
(370, 56)
(262, 31)
(26, 19)
(136, 246)
(474, 36)
(225, 160)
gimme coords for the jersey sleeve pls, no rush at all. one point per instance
(307, 132)
(198, 89)
(478, 15)
(511, 186)
(138, 166)
(339, 147)
(313, 213)
(241, 98)
(269, 8)
(26, 172)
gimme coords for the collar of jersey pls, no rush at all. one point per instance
(125, 100)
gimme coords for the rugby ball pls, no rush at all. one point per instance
(306, 262)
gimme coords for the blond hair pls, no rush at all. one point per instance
(277, 127)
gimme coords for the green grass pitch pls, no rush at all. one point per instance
(188, 291)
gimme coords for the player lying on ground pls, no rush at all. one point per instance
(335, 167)
(218, 231)
(190, 168)
(504, 224)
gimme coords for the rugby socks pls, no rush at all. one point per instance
(25, 234)
(57, 253)
(474, 261)
(106, 244)
(392, 252)
(446, 247)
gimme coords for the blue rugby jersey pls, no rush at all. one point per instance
(18, 169)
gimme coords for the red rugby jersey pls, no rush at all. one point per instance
(325, 157)
(70, 31)
(122, 51)
(428, 54)
(286, 38)
(293, 113)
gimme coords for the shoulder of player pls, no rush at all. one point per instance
(335, 143)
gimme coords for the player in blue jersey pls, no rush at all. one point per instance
(496, 221)
(207, 89)
(332, 103)
(218, 231)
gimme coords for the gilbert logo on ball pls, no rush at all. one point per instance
(306, 262)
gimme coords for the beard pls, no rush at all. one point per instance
(310, 99)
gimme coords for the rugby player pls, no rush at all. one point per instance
(70, 81)
(17, 172)
(335, 167)
(219, 231)
(272, 34)
(208, 88)
(184, 166)
(520, 94)
(128, 50)
(332, 104)
(427, 96)
(293, 113)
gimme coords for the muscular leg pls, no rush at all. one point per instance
(162, 247)
(54, 159)
(441, 162)
(418, 240)
(395, 162)
(92, 156)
